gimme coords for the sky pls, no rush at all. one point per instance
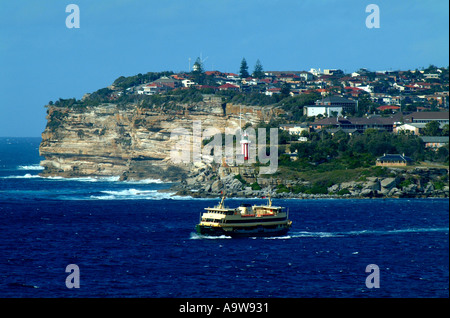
(41, 59)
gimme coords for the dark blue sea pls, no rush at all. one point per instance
(129, 240)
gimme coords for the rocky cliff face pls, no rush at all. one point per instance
(240, 181)
(128, 141)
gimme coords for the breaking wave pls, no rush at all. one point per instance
(30, 167)
(135, 194)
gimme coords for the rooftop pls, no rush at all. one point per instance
(394, 158)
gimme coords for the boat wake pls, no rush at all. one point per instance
(357, 233)
(196, 236)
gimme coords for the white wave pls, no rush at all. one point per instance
(362, 232)
(135, 194)
(286, 237)
(85, 179)
(27, 176)
(31, 167)
(144, 181)
(316, 234)
(196, 236)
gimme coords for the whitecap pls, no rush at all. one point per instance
(26, 176)
(30, 167)
(136, 194)
(144, 181)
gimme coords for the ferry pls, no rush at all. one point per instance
(244, 221)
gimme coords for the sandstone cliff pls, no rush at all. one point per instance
(130, 141)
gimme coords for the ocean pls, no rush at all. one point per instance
(129, 240)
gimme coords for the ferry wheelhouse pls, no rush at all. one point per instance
(245, 220)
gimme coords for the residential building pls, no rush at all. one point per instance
(413, 129)
(425, 117)
(295, 129)
(229, 87)
(338, 101)
(327, 111)
(394, 160)
(359, 123)
(435, 142)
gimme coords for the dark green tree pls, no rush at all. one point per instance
(432, 129)
(285, 90)
(244, 69)
(445, 130)
(198, 74)
(258, 72)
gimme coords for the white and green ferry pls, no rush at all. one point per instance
(244, 221)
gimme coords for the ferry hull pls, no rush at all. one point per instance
(255, 231)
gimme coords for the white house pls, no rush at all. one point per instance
(409, 128)
(307, 76)
(328, 111)
(294, 129)
(315, 72)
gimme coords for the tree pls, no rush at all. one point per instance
(198, 74)
(285, 90)
(244, 69)
(432, 129)
(258, 72)
(445, 130)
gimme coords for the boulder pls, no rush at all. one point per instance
(389, 183)
(372, 185)
(366, 193)
(394, 192)
(346, 185)
(216, 186)
(334, 188)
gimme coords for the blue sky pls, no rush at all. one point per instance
(42, 60)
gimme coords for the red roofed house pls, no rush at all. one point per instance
(228, 87)
(388, 107)
(274, 90)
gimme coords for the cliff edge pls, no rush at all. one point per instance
(129, 141)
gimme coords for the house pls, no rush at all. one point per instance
(359, 123)
(273, 90)
(388, 107)
(228, 87)
(394, 160)
(425, 117)
(327, 111)
(431, 76)
(152, 89)
(413, 129)
(168, 82)
(294, 129)
(435, 142)
(338, 101)
(332, 72)
(306, 76)
(333, 131)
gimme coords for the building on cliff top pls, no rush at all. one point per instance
(395, 160)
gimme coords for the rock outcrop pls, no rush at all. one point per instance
(129, 141)
(210, 181)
